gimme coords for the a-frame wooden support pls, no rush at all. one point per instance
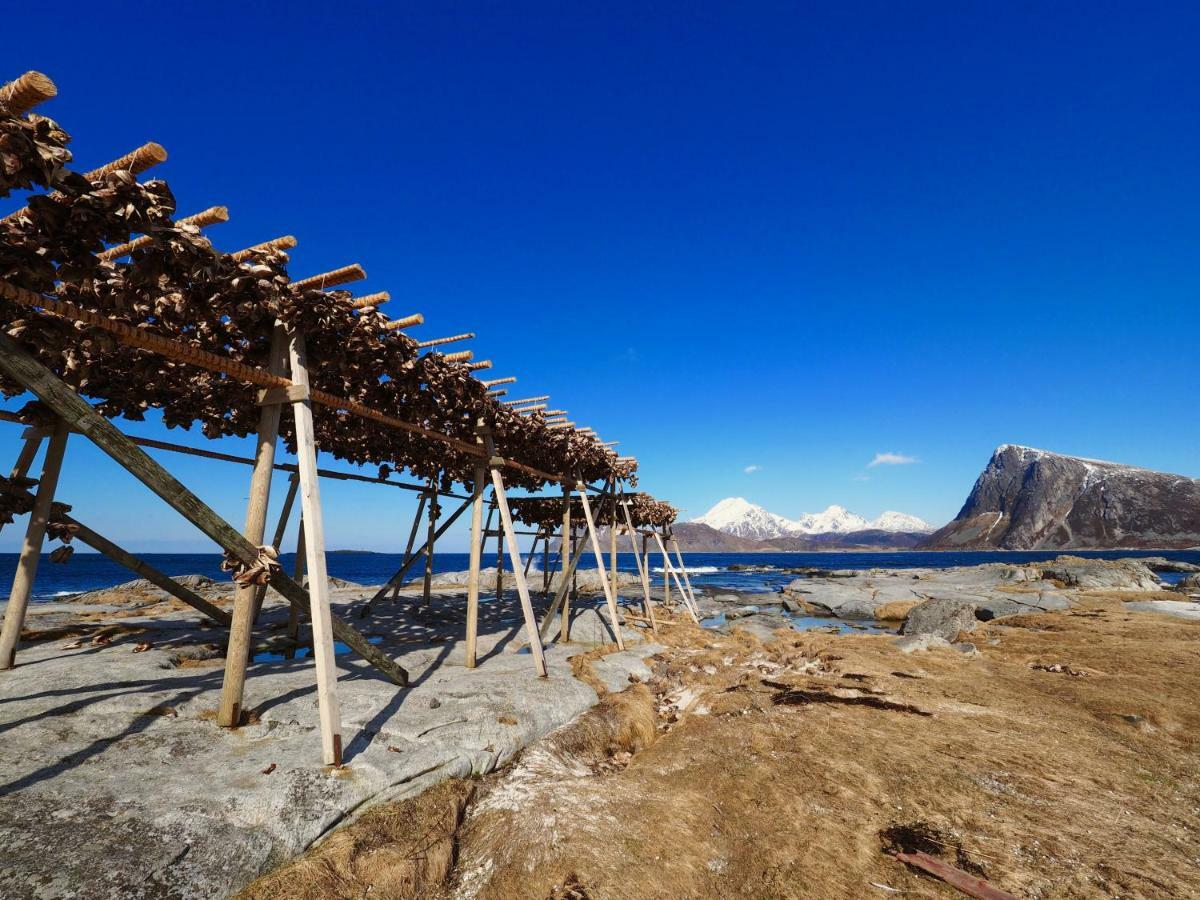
(68, 405)
(609, 596)
(514, 555)
(643, 575)
(669, 571)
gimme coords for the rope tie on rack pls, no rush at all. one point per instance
(266, 565)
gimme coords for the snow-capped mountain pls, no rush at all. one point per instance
(739, 517)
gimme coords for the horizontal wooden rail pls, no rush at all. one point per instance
(480, 365)
(406, 322)
(213, 362)
(369, 300)
(344, 275)
(462, 356)
(498, 381)
(454, 338)
(287, 242)
(527, 400)
(24, 93)
(136, 161)
(203, 219)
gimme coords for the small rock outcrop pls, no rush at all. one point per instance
(944, 617)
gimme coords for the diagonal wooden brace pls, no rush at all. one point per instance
(52, 391)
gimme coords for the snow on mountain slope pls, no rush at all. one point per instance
(898, 521)
(737, 516)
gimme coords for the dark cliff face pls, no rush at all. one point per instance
(1030, 499)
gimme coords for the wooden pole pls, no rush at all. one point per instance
(285, 515)
(473, 573)
(514, 555)
(314, 550)
(609, 597)
(546, 564)
(612, 543)
(427, 584)
(66, 403)
(566, 550)
(669, 572)
(245, 601)
(642, 574)
(31, 550)
(687, 582)
(293, 629)
(561, 595)
(500, 560)
(398, 578)
(33, 441)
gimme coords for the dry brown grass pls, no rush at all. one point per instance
(394, 852)
(784, 770)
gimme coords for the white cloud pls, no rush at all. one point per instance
(750, 470)
(891, 459)
(861, 478)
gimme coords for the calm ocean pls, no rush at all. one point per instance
(89, 571)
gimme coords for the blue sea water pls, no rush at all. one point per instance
(89, 571)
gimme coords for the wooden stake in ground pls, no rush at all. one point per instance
(293, 629)
(245, 605)
(434, 510)
(314, 547)
(31, 549)
(514, 554)
(566, 548)
(473, 568)
(642, 574)
(669, 572)
(609, 596)
(687, 582)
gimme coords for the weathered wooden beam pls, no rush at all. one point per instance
(643, 574)
(245, 607)
(609, 597)
(202, 219)
(397, 579)
(454, 338)
(286, 242)
(495, 382)
(320, 614)
(479, 365)
(31, 549)
(525, 400)
(514, 555)
(369, 301)
(67, 404)
(462, 356)
(344, 275)
(136, 161)
(24, 93)
(406, 322)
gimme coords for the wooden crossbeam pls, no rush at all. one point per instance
(370, 300)
(344, 275)
(527, 400)
(558, 426)
(136, 161)
(287, 242)
(437, 342)
(406, 322)
(498, 393)
(463, 356)
(498, 381)
(203, 219)
(479, 365)
(529, 410)
(24, 93)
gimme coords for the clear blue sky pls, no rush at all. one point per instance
(787, 236)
